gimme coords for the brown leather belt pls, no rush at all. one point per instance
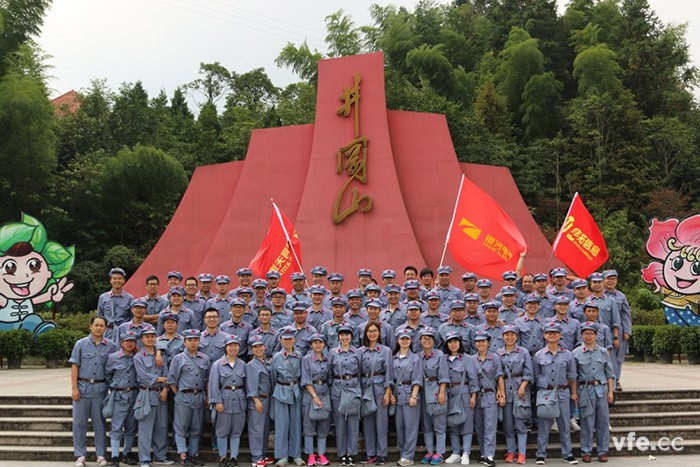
(486, 390)
(319, 381)
(154, 388)
(262, 396)
(130, 388)
(561, 386)
(369, 375)
(345, 377)
(192, 391)
(232, 388)
(287, 383)
(432, 379)
(92, 381)
(457, 383)
(594, 382)
(405, 383)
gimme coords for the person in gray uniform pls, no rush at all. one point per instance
(517, 371)
(377, 372)
(408, 379)
(436, 376)
(491, 395)
(187, 377)
(285, 370)
(595, 379)
(554, 368)
(153, 430)
(315, 381)
(344, 362)
(121, 377)
(258, 388)
(227, 393)
(89, 389)
(464, 386)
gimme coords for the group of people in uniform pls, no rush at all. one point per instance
(444, 361)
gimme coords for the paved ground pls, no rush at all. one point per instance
(659, 461)
(635, 376)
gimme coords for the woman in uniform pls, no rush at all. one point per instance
(376, 371)
(315, 381)
(227, 391)
(259, 388)
(408, 379)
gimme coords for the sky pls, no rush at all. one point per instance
(162, 42)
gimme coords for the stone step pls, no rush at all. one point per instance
(658, 405)
(656, 394)
(65, 453)
(35, 400)
(654, 419)
(26, 411)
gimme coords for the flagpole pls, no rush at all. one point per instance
(449, 229)
(556, 240)
(286, 234)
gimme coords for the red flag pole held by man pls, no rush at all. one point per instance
(279, 251)
(579, 243)
(482, 238)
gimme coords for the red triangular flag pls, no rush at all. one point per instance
(280, 250)
(579, 243)
(483, 238)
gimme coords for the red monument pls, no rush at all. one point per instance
(364, 187)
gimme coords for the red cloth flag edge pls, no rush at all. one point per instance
(279, 251)
(482, 238)
(580, 244)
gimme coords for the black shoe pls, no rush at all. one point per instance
(350, 460)
(540, 461)
(232, 462)
(195, 460)
(129, 459)
(380, 461)
(185, 462)
(113, 462)
(571, 460)
(343, 460)
(223, 462)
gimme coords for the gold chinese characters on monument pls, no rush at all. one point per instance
(352, 157)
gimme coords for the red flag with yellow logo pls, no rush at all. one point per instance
(483, 238)
(280, 250)
(579, 243)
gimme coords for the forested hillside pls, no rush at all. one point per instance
(596, 100)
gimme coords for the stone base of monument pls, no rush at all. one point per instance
(39, 428)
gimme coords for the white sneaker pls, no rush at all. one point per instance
(80, 461)
(555, 427)
(465, 459)
(574, 425)
(404, 462)
(101, 461)
(453, 459)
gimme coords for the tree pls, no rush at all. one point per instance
(131, 121)
(27, 154)
(540, 107)
(140, 191)
(300, 59)
(213, 84)
(343, 38)
(20, 20)
(597, 70)
(520, 60)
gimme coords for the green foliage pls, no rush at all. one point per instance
(123, 257)
(20, 20)
(57, 343)
(15, 343)
(666, 340)
(689, 340)
(643, 338)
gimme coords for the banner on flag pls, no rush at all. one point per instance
(482, 237)
(280, 250)
(579, 243)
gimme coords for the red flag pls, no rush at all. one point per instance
(280, 250)
(579, 243)
(482, 238)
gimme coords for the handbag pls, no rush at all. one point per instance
(522, 408)
(369, 402)
(142, 406)
(548, 401)
(456, 415)
(432, 406)
(586, 408)
(350, 399)
(317, 413)
(108, 405)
